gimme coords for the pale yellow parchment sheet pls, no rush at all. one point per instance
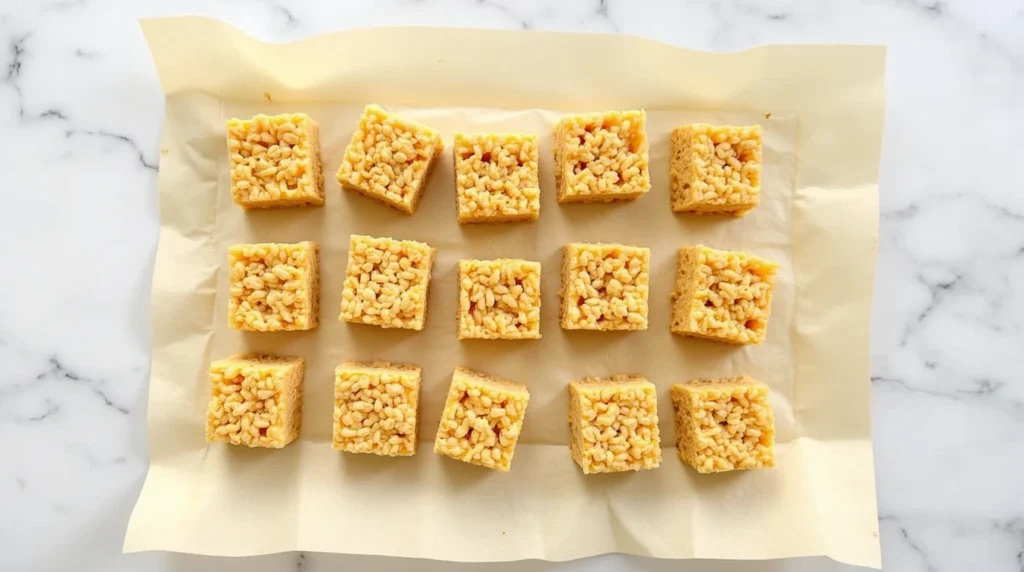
(818, 219)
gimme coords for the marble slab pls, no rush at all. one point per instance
(80, 116)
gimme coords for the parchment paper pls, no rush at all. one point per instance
(821, 108)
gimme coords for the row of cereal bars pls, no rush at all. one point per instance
(721, 425)
(720, 295)
(599, 157)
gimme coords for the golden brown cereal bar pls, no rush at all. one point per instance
(255, 400)
(614, 424)
(386, 282)
(496, 177)
(499, 299)
(724, 425)
(601, 157)
(389, 159)
(605, 287)
(715, 169)
(482, 419)
(375, 407)
(721, 295)
(274, 287)
(275, 161)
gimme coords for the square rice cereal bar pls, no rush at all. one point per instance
(605, 287)
(482, 419)
(724, 425)
(613, 424)
(722, 296)
(601, 157)
(255, 400)
(389, 159)
(274, 287)
(386, 282)
(275, 161)
(715, 169)
(496, 177)
(375, 408)
(499, 299)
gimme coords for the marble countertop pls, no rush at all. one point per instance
(80, 115)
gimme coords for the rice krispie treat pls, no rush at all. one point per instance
(482, 419)
(715, 169)
(496, 177)
(724, 425)
(722, 296)
(389, 159)
(275, 161)
(499, 299)
(601, 157)
(255, 400)
(386, 282)
(605, 287)
(613, 424)
(274, 287)
(375, 408)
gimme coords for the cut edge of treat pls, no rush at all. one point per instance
(494, 381)
(256, 358)
(616, 380)
(377, 366)
(719, 383)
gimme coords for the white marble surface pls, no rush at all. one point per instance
(80, 112)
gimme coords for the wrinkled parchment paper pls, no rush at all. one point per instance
(821, 108)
